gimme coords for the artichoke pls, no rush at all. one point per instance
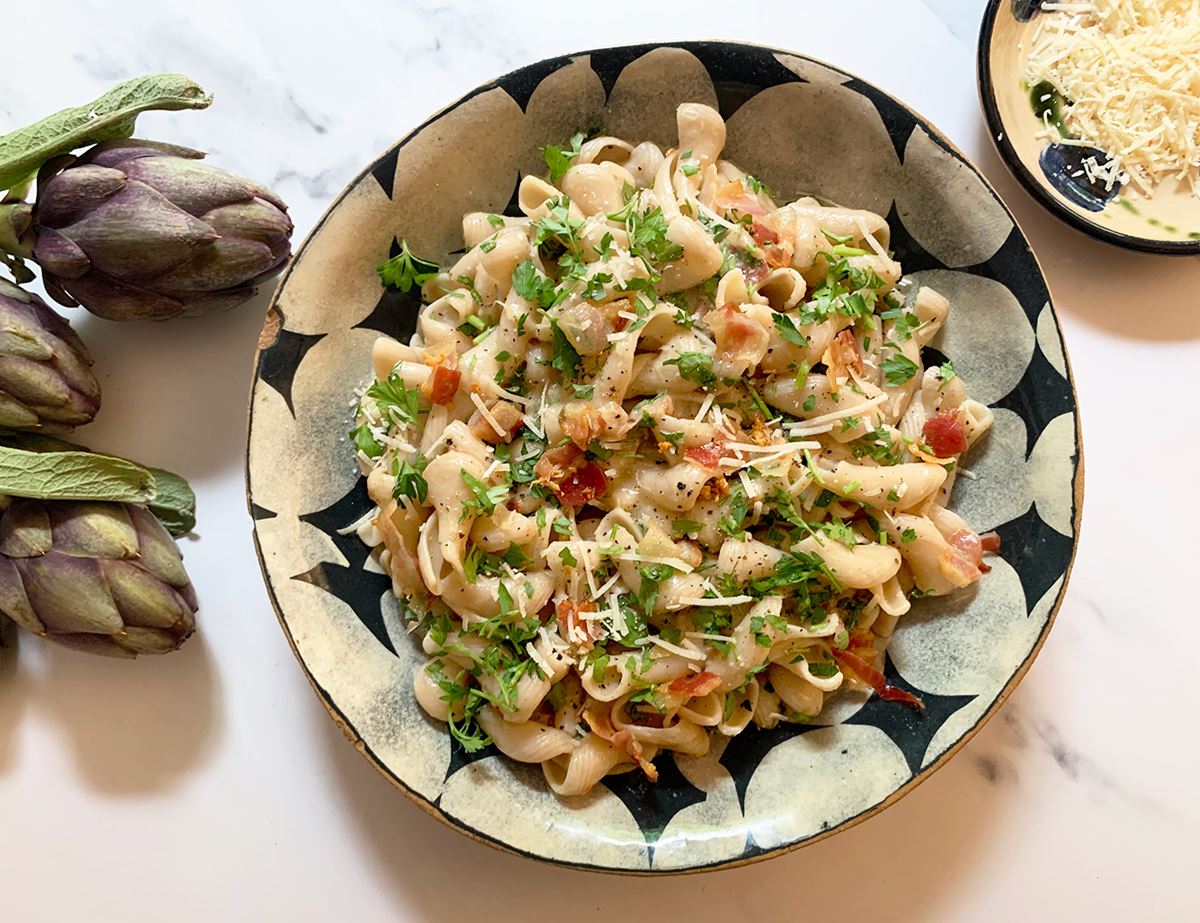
(137, 229)
(103, 577)
(46, 381)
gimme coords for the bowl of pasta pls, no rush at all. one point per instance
(664, 457)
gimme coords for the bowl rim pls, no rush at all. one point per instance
(999, 135)
(273, 323)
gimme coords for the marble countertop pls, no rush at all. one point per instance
(211, 784)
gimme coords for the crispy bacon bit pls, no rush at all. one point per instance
(611, 310)
(581, 423)
(583, 485)
(778, 256)
(843, 357)
(763, 234)
(442, 385)
(733, 197)
(945, 434)
(706, 456)
(579, 630)
(741, 340)
(625, 740)
(567, 472)
(967, 549)
(555, 464)
(863, 671)
(506, 414)
(696, 685)
(755, 274)
(990, 542)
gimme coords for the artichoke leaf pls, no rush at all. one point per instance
(111, 116)
(174, 503)
(73, 476)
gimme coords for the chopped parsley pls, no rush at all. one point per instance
(409, 479)
(532, 285)
(697, 367)
(787, 329)
(898, 369)
(565, 359)
(364, 441)
(394, 398)
(484, 499)
(558, 160)
(738, 507)
(406, 269)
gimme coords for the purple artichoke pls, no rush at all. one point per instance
(137, 229)
(46, 380)
(102, 577)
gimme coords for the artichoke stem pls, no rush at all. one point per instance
(15, 219)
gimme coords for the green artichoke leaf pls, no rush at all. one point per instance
(74, 476)
(111, 116)
(174, 502)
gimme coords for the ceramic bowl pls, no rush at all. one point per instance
(801, 126)
(1167, 222)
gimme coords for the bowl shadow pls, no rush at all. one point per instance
(1141, 296)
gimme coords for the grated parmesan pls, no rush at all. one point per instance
(487, 415)
(1131, 69)
(715, 600)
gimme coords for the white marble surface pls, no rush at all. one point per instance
(210, 784)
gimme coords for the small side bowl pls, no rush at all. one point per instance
(1166, 223)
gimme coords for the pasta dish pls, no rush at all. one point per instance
(662, 459)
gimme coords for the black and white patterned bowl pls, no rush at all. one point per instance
(803, 127)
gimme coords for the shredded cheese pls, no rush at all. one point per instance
(683, 652)
(1131, 71)
(824, 423)
(715, 600)
(487, 415)
(678, 563)
(543, 664)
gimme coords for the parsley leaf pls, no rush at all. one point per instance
(697, 367)
(558, 160)
(532, 285)
(565, 359)
(739, 508)
(787, 329)
(406, 269)
(392, 395)
(485, 498)
(648, 236)
(364, 441)
(898, 369)
(409, 481)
